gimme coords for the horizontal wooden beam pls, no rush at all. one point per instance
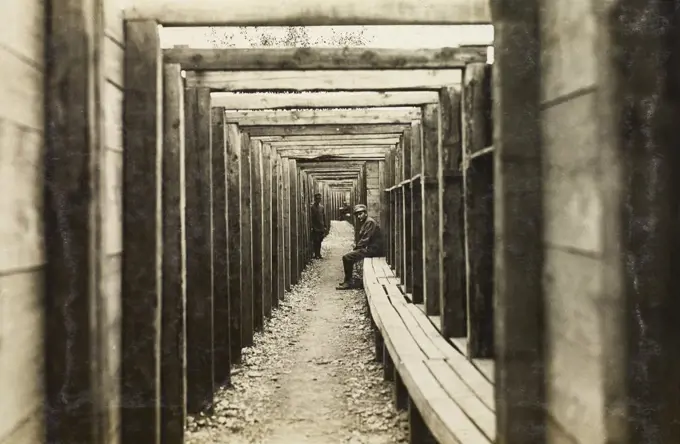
(268, 59)
(331, 164)
(354, 80)
(325, 137)
(284, 144)
(334, 99)
(324, 116)
(310, 12)
(330, 169)
(315, 130)
(315, 156)
(333, 150)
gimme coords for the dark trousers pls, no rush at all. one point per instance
(317, 239)
(355, 256)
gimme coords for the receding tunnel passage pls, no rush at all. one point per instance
(339, 221)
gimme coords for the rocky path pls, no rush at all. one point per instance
(310, 377)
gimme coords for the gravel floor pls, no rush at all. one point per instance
(310, 377)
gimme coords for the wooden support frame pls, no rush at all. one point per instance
(327, 80)
(141, 283)
(255, 148)
(247, 326)
(285, 144)
(389, 115)
(311, 13)
(328, 137)
(336, 99)
(199, 275)
(273, 59)
(73, 336)
(173, 317)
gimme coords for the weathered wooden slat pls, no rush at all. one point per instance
(233, 172)
(266, 59)
(276, 229)
(198, 167)
(220, 272)
(453, 296)
(311, 13)
(407, 212)
(140, 284)
(314, 130)
(71, 211)
(417, 211)
(282, 241)
(340, 156)
(173, 340)
(358, 80)
(318, 151)
(247, 272)
(356, 116)
(257, 226)
(430, 205)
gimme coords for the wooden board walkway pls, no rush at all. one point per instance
(450, 400)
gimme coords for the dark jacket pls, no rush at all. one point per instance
(370, 237)
(317, 218)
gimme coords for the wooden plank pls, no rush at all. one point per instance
(360, 151)
(283, 266)
(220, 267)
(233, 190)
(71, 208)
(315, 130)
(464, 368)
(453, 296)
(247, 327)
(344, 99)
(461, 394)
(277, 231)
(140, 284)
(257, 226)
(311, 13)
(268, 235)
(199, 288)
(273, 59)
(173, 341)
(431, 229)
(486, 367)
(407, 212)
(328, 137)
(355, 116)
(357, 80)
(282, 145)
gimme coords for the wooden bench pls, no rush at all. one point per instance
(448, 398)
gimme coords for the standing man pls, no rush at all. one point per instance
(368, 245)
(317, 223)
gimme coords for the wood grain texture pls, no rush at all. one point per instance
(358, 80)
(233, 173)
(392, 115)
(311, 13)
(220, 269)
(314, 130)
(141, 259)
(173, 318)
(337, 99)
(257, 227)
(247, 327)
(199, 255)
(272, 59)
(430, 209)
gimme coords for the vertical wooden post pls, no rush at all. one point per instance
(199, 287)
(452, 291)
(283, 266)
(431, 222)
(518, 198)
(294, 224)
(399, 209)
(389, 225)
(287, 218)
(407, 280)
(246, 244)
(417, 210)
(233, 190)
(71, 210)
(141, 269)
(478, 205)
(257, 226)
(268, 272)
(276, 224)
(173, 364)
(221, 314)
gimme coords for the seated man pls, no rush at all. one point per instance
(369, 244)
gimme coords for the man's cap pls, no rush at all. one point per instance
(359, 208)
